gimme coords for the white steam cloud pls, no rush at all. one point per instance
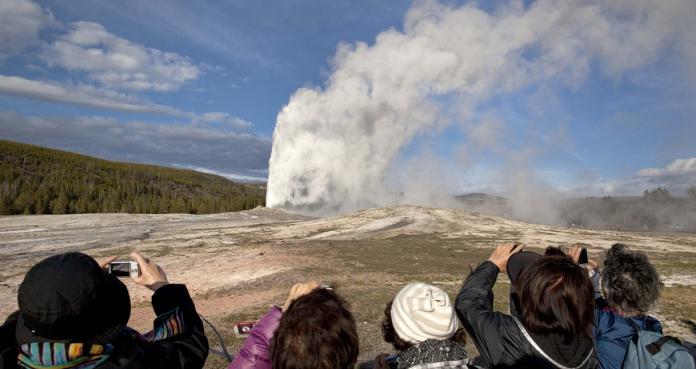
(333, 147)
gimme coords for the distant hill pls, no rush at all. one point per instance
(479, 198)
(37, 180)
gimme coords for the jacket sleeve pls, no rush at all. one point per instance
(178, 338)
(255, 351)
(8, 344)
(610, 341)
(491, 331)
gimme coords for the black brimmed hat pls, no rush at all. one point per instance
(517, 262)
(69, 297)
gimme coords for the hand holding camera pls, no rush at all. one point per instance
(118, 268)
(502, 253)
(579, 256)
(151, 275)
(141, 269)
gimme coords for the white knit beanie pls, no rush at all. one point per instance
(421, 311)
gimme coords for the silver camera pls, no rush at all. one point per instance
(123, 268)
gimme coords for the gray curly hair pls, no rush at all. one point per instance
(629, 281)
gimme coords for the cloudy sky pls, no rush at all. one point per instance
(200, 84)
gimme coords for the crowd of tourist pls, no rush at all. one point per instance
(564, 312)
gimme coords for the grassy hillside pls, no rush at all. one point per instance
(37, 180)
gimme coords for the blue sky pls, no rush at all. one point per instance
(199, 85)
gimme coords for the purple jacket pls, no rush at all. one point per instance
(254, 353)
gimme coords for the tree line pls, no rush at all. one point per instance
(657, 209)
(36, 180)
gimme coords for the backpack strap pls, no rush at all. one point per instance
(543, 354)
(656, 346)
(635, 328)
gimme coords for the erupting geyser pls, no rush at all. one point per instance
(333, 145)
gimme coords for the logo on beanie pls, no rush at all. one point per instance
(421, 311)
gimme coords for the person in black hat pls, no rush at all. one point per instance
(73, 314)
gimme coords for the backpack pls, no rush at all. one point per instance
(651, 350)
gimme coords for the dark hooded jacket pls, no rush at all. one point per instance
(73, 315)
(502, 341)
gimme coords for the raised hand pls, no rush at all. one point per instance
(104, 262)
(502, 254)
(299, 290)
(574, 253)
(151, 275)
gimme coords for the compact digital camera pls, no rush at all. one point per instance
(242, 329)
(123, 268)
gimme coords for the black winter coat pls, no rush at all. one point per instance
(500, 338)
(178, 340)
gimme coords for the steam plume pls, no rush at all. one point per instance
(333, 145)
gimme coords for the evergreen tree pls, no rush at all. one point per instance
(658, 195)
(60, 204)
(691, 191)
(44, 181)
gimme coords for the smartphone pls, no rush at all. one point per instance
(242, 329)
(583, 256)
(123, 268)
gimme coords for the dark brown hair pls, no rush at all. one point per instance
(316, 332)
(389, 333)
(390, 336)
(556, 297)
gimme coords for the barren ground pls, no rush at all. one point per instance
(238, 264)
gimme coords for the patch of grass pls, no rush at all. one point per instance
(415, 257)
(674, 263)
(678, 302)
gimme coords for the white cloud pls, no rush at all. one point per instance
(216, 149)
(230, 176)
(678, 167)
(676, 177)
(90, 96)
(20, 24)
(84, 95)
(116, 62)
(218, 117)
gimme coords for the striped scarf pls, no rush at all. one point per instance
(62, 355)
(67, 355)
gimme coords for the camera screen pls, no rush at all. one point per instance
(119, 268)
